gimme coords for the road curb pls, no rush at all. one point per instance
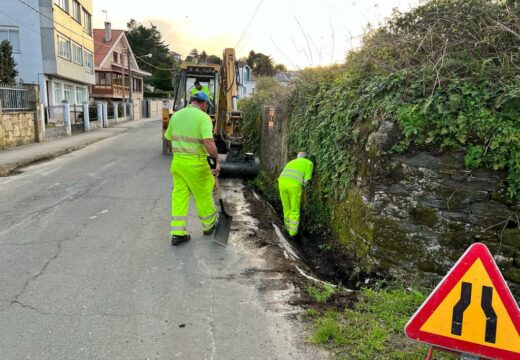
(12, 168)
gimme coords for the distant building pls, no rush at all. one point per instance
(176, 56)
(246, 80)
(285, 77)
(111, 67)
(53, 47)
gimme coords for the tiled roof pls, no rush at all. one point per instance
(102, 47)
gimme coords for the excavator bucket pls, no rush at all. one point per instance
(239, 165)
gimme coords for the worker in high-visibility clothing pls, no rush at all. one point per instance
(190, 131)
(294, 176)
(198, 87)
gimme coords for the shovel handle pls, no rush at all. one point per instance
(212, 162)
(217, 189)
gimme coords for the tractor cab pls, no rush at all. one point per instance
(207, 75)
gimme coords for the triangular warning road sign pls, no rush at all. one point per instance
(471, 310)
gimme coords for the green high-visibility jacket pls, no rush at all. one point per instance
(297, 171)
(204, 88)
(187, 130)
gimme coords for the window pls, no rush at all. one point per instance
(77, 54)
(64, 4)
(12, 35)
(137, 85)
(103, 78)
(64, 47)
(76, 11)
(88, 60)
(68, 93)
(117, 79)
(56, 89)
(116, 57)
(87, 22)
(81, 94)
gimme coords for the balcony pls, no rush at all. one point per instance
(110, 91)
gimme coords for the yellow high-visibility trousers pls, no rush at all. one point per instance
(290, 194)
(191, 176)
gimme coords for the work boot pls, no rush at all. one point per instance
(179, 239)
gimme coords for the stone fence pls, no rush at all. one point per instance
(20, 125)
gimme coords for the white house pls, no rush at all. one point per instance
(246, 81)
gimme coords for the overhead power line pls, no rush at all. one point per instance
(82, 35)
(249, 23)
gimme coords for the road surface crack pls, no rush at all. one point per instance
(40, 273)
(95, 314)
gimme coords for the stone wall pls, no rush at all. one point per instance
(413, 215)
(17, 128)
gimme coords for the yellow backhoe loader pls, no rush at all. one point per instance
(222, 82)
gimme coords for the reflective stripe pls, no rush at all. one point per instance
(300, 180)
(208, 227)
(293, 171)
(178, 228)
(292, 221)
(178, 218)
(187, 139)
(209, 217)
(184, 150)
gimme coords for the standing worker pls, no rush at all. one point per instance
(296, 173)
(190, 131)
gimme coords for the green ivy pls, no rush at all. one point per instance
(458, 90)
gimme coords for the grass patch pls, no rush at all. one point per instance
(373, 328)
(321, 294)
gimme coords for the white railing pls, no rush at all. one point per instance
(15, 97)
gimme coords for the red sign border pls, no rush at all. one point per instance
(474, 252)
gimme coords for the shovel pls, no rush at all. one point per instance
(224, 220)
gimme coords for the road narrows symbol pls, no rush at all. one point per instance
(459, 308)
(491, 316)
(471, 311)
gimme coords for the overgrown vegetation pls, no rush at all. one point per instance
(448, 75)
(373, 328)
(321, 293)
(266, 90)
(450, 85)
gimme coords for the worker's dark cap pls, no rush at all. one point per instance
(200, 96)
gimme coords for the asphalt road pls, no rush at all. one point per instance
(87, 270)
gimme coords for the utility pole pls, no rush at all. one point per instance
(123, 79)
(130, 85)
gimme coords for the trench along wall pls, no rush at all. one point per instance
(412, 215)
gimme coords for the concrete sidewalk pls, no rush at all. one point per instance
(17, 157)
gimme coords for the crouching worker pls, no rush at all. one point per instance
(294, 176)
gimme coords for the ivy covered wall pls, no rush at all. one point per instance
(427, 85)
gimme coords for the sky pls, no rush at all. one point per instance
(296, 33)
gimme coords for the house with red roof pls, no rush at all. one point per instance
(113, 61)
